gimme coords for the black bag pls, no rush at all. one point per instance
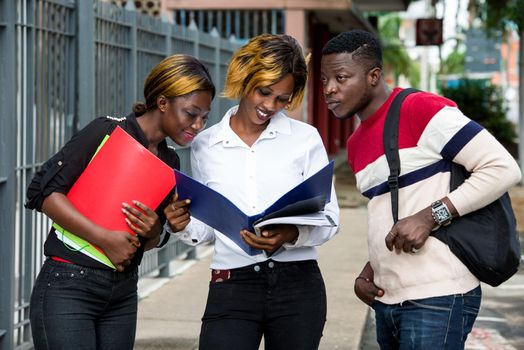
(486, 240)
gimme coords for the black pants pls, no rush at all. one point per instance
(284, 302)
(81, 308)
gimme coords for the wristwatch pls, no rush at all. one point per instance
(441, 213)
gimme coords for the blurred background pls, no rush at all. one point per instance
(66, 62)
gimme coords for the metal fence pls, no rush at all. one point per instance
(63, 63)
(242, 24)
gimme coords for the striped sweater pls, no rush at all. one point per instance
(432, 133)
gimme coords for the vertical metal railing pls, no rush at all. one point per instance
(7, 174)
(63, 63)
(44, 107)
(242, 24)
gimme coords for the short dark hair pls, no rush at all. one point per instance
(362, 44)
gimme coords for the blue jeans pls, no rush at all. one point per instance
(284, 302)
(77, 308)
(431, 323)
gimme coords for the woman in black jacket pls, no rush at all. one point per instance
(78, 302)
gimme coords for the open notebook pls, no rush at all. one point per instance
(301, 205)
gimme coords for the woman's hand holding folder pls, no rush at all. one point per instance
(144, 222)
(177, 213)
(119, 247)
(271, 238)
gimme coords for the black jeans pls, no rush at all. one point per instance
(74, 307)
(284, 302)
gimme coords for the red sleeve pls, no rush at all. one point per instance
(416, 112)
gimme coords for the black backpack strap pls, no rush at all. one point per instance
(390, 135)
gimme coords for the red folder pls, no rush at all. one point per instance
(122, 171)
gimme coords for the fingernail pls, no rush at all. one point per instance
(135, 202)
(124, 204)
(188, 201)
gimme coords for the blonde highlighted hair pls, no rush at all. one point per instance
(175, 76)
(264, 61)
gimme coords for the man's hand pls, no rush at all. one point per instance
(410, 234)
(365, 289)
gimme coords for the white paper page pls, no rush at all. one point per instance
(313, 219)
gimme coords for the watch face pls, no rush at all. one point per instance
(441, 214)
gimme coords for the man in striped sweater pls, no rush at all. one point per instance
(423, 296)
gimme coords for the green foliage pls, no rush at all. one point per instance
(414, 74)
(501, 14)
(483, 102)
(394, 54)
(454, 63)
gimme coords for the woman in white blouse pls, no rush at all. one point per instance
(254, 156)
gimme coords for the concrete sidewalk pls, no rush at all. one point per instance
(170, 310)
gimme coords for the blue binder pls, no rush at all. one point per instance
(217, 211)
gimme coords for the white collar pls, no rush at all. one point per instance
(279, 123)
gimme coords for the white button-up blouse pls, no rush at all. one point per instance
(253, 178)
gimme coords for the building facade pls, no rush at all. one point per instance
(311, 22)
